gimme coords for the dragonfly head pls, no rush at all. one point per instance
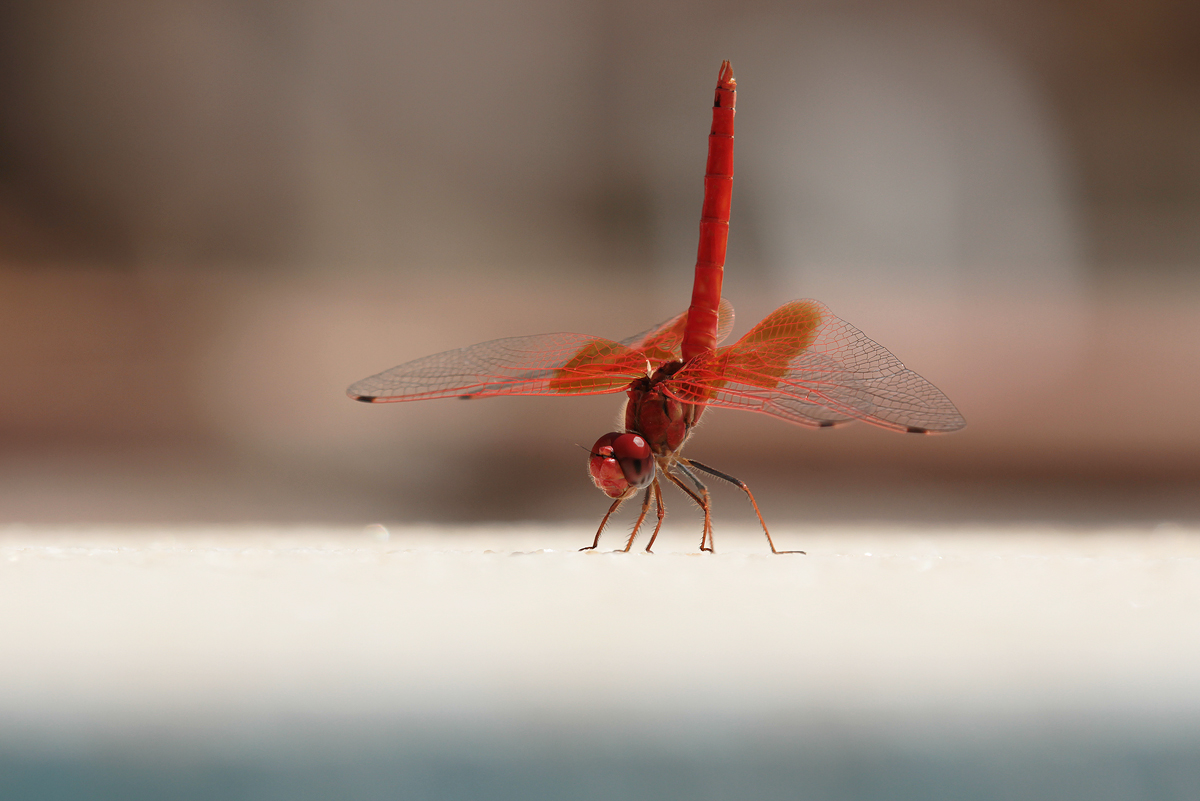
(621, 463)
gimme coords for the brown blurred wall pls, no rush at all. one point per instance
(214, 216)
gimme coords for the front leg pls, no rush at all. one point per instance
(641, 517)
(662, 511)
(615, 506)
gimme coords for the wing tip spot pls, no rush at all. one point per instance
(916, 430)
(364, 398)
(826, 424)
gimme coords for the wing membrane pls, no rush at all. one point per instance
(547, 364)
(806, 365)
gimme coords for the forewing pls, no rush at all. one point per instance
(662, 342)
(806, 365)
(547, 364)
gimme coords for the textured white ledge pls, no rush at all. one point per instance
(182, 626)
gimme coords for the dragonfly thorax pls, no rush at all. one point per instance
(664, 421)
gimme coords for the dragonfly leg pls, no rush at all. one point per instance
(742, 486)
(633, 534)
(662, 512)
(703, 490)
(701, 500)
(615, 506)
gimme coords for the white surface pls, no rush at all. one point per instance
(184, 627)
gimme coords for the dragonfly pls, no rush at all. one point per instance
(801, 364)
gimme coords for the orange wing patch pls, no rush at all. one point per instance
(762, 357)
(599, 366)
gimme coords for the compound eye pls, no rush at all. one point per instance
(604, 468)
(632, 452)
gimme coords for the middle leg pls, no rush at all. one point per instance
(702, 502)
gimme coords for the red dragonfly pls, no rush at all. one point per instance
(801, 363)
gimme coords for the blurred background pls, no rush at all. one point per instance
(215, 216)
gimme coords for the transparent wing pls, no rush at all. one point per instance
(547, 364)
(662, 342)
(806, 365)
